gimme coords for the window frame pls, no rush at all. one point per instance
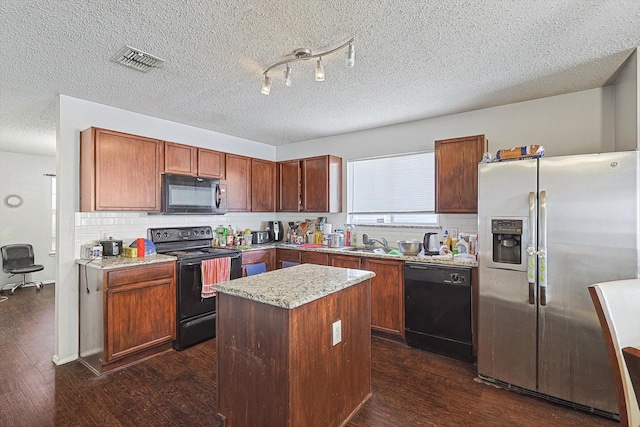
(396, 218)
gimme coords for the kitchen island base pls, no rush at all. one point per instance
(278, 366)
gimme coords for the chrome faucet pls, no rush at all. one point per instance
(367, 241)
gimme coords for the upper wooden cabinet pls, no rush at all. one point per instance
(263, 185)
(211, 164)
(188, 160)
(457, 173)
(238, 175)
(312, 184)
(119, 171)
(181, 159)
(288, 182)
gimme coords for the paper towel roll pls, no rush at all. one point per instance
(328, 229)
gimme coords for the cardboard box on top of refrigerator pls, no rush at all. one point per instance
(519, 153)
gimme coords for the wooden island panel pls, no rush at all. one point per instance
(280, 368)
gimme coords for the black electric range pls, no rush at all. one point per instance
(196, 316)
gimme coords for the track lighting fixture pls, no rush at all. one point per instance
(304, 54)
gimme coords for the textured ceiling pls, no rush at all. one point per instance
(414, 60)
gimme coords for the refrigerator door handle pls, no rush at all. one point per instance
(542, 249)
(531, 249)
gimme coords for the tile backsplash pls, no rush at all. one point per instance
(127, 226)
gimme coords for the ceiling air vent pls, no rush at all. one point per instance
(135, 58)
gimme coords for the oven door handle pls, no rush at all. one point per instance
(188, 264)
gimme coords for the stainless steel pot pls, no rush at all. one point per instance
(336, 240)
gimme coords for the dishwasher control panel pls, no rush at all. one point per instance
(431, 273)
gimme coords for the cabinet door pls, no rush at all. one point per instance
(322, 184)
(314, 258)
(291, 255)
(211, 164)
(119, 171)
(141, 311)
(387, 295)
(263, 180)
(315, 182)
(345, 261)
(288, 186)
(238, 173)
(457, 174)
(180, 158)
(268, 256)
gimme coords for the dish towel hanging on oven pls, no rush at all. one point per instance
(214, 271)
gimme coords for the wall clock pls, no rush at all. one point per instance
(13, 201)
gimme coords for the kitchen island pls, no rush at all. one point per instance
(294, 346)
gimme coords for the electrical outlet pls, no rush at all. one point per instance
(337, 332)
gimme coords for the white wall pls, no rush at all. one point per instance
(576, 123)
(76, 115)
(627, 110)
(24, 174)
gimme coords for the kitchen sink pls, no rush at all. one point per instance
(378, 251)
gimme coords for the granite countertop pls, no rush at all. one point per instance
(460, 260)
(106, 263)
(294, 286)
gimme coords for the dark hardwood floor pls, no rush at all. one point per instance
(410, 387)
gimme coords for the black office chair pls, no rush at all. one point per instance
(18, 259)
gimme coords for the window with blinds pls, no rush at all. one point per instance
(392, 190)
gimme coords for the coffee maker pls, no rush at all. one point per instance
(276, 231)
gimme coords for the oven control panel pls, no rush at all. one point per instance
(179, 234)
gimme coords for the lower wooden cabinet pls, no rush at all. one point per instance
(345, 261)
(268, 256)
(290, 255)
(314, 258)
(126, 314)
(141, 309)
(387, 295)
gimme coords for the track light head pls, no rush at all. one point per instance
(351, 56)
(266, 85)
(287, 76)
(319, 70)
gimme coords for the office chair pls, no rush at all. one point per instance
(258, 268)
(18, 259)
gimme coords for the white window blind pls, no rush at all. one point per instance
(399, 184)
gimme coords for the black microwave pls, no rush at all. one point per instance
(184, 194)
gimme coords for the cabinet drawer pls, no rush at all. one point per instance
(288, 255)
(142, 273)
(314, 258)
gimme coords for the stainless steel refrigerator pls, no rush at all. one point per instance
(547, 229)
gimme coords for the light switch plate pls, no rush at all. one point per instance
(337, 332)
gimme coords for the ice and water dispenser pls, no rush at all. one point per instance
(507, 250)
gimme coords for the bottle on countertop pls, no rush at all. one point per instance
(347, 236)
(447, 239)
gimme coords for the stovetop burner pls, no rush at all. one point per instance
(187, 242)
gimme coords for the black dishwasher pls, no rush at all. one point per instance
(437, 309)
